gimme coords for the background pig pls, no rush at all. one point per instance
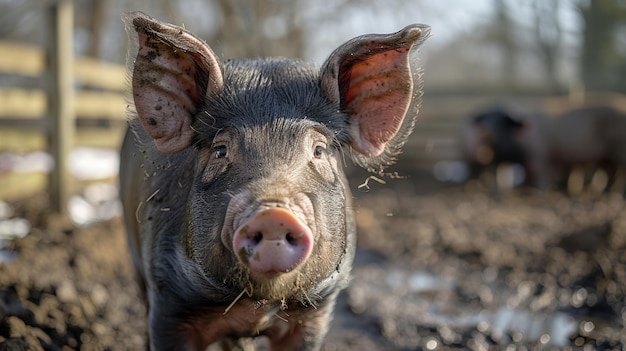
(238, 212)
(590, 136)
(505, 135)
(545, 145)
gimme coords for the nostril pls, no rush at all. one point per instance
(291, 239)
(257, 237)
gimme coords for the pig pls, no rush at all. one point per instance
(503, 135)
(545, 145)
(237, 210)
(587, 137)
(490, 138)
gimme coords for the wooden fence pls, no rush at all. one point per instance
(66, 90)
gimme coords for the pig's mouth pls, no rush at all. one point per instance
(272, 285)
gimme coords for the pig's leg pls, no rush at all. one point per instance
(538, 172)
(618, 169)
(617, 181)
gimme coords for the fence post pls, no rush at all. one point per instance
(61, 119)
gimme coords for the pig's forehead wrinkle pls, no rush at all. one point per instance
(282, 132)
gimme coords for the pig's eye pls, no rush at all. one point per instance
(319, 151)
(220, 151)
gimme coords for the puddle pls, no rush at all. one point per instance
(10, 229)
(5, 255)
(94, 163)
(14, 228)
(38, 161)
(502, 323)
(85, 163)
(427, 299)
(506, 324)
(97, 203)
(418, 282)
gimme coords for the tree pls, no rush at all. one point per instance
(547, 32)
(506, 41)
(603, 66)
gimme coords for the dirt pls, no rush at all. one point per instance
(438, 268)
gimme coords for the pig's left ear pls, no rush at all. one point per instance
(371, 78)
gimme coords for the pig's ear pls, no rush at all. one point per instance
(513, 122)
(172, 74)
(373, 79)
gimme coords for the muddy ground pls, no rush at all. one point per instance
(437, 268)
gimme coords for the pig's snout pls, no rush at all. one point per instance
(273, 241)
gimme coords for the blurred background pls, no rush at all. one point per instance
(548, 267)
(548, 55)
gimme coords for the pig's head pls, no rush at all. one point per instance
(497, 134)
(269, 209)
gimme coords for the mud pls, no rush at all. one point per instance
(437, 268)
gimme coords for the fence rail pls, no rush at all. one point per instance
(30, 61)
(66, 89)
(99, 94)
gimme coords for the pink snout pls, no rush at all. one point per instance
(274, 241)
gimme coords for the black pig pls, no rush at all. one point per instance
(491, 138)
(544, 145)
(238, 213)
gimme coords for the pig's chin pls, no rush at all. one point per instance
(272, 286)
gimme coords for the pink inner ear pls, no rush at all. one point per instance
(165, 92)
(378, 96)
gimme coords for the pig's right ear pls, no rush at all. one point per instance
(374, 80)
(172, 74)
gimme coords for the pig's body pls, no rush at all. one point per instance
(239, 215)
(587, 135)
(577, 138)
(505, 135)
